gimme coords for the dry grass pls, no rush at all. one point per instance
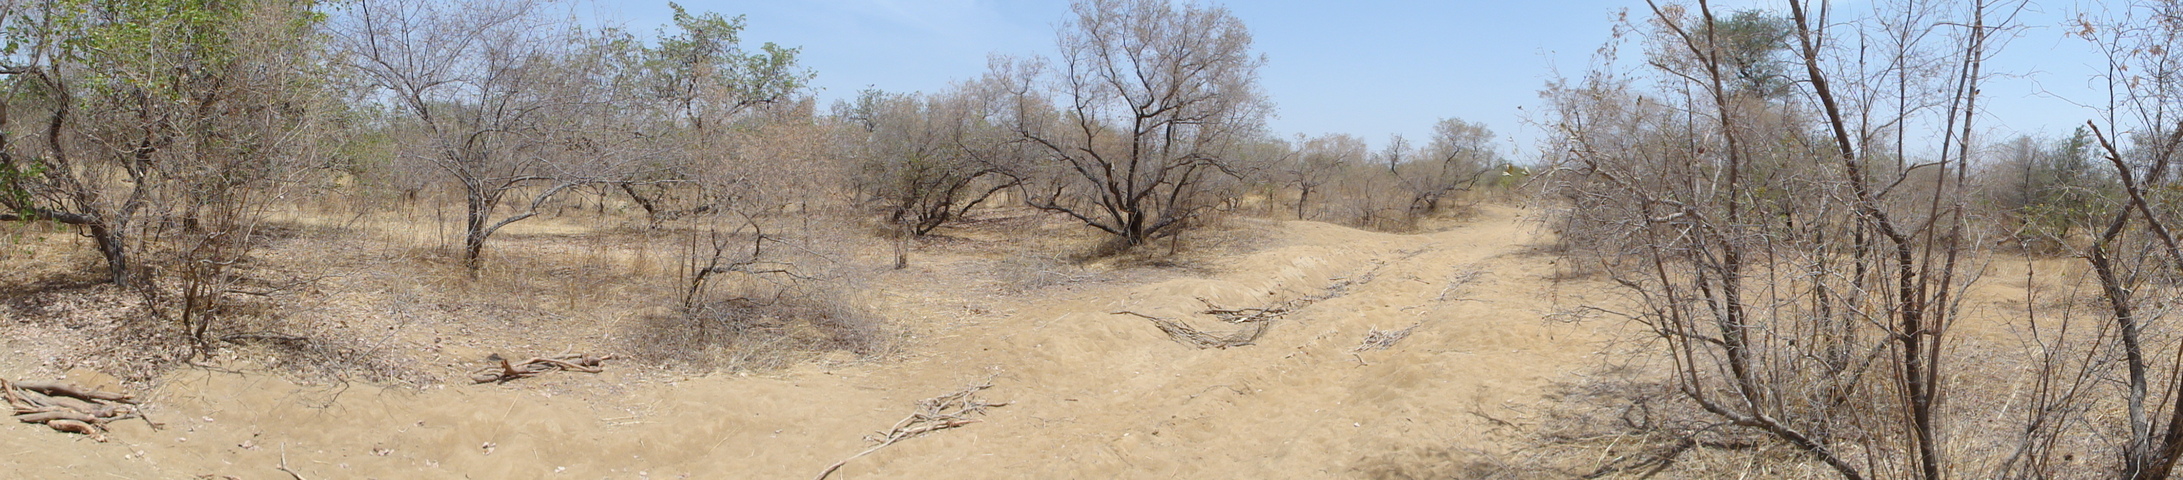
(371, 288)
(1623, 419)
(744, 336)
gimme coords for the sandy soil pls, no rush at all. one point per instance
(1092, 393)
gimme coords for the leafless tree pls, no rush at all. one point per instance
(932, 159)
(1148, 101)
(1395, 153)
(927, 161)
(2134, 254)
(1802, 286)
(1316, 162)
(1460, 153)
(503, 103)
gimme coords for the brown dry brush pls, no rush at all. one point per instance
(1335, 179)
(926, 161)
(757, 297)
(1615, 422)
(1798, 271)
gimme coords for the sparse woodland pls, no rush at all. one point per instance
(1799, 205)
(183, 145)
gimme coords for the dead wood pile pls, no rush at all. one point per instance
(506, 371)
(68, 408)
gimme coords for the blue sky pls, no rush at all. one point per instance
(1372, 68)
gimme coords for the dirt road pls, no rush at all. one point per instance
(1091, 393)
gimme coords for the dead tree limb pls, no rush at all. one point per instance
(1189, 335)
(510, 371)
(933, 414)
(1384, 339)
(67, 408)
(56, 388)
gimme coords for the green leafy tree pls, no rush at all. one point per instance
(2051, 188)
(702, 69)
(709, 89)
(138, 120)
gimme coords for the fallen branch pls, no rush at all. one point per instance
(58, 414)
(284, 463)
(1187, 334)
(40, 401)
(933, 414)
(1383, 339)
(1249, 315)
(86, 429)
(510, 371)
(67, 408)
(62, 389)
(1256, 320)
(1457, 281)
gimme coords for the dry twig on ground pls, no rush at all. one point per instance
(1457, 281)
(1184, 333)
(1251, 315)
(68, 408)
(1383, 339)
(933, 414)
(510, 371)
(1256, 320)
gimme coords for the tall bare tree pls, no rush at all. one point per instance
(501, 102)
(2135, 254)
(1147, 102)
(1803, 287)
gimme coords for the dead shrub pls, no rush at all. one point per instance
(744, 335)
(758, 295)
(1028, 272)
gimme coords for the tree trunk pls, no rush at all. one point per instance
(901, 251)
(651, 211)
(1302, 197)
(116, 251)
(1134, 231)
(473, 239)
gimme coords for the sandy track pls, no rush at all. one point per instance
(1094, 394)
